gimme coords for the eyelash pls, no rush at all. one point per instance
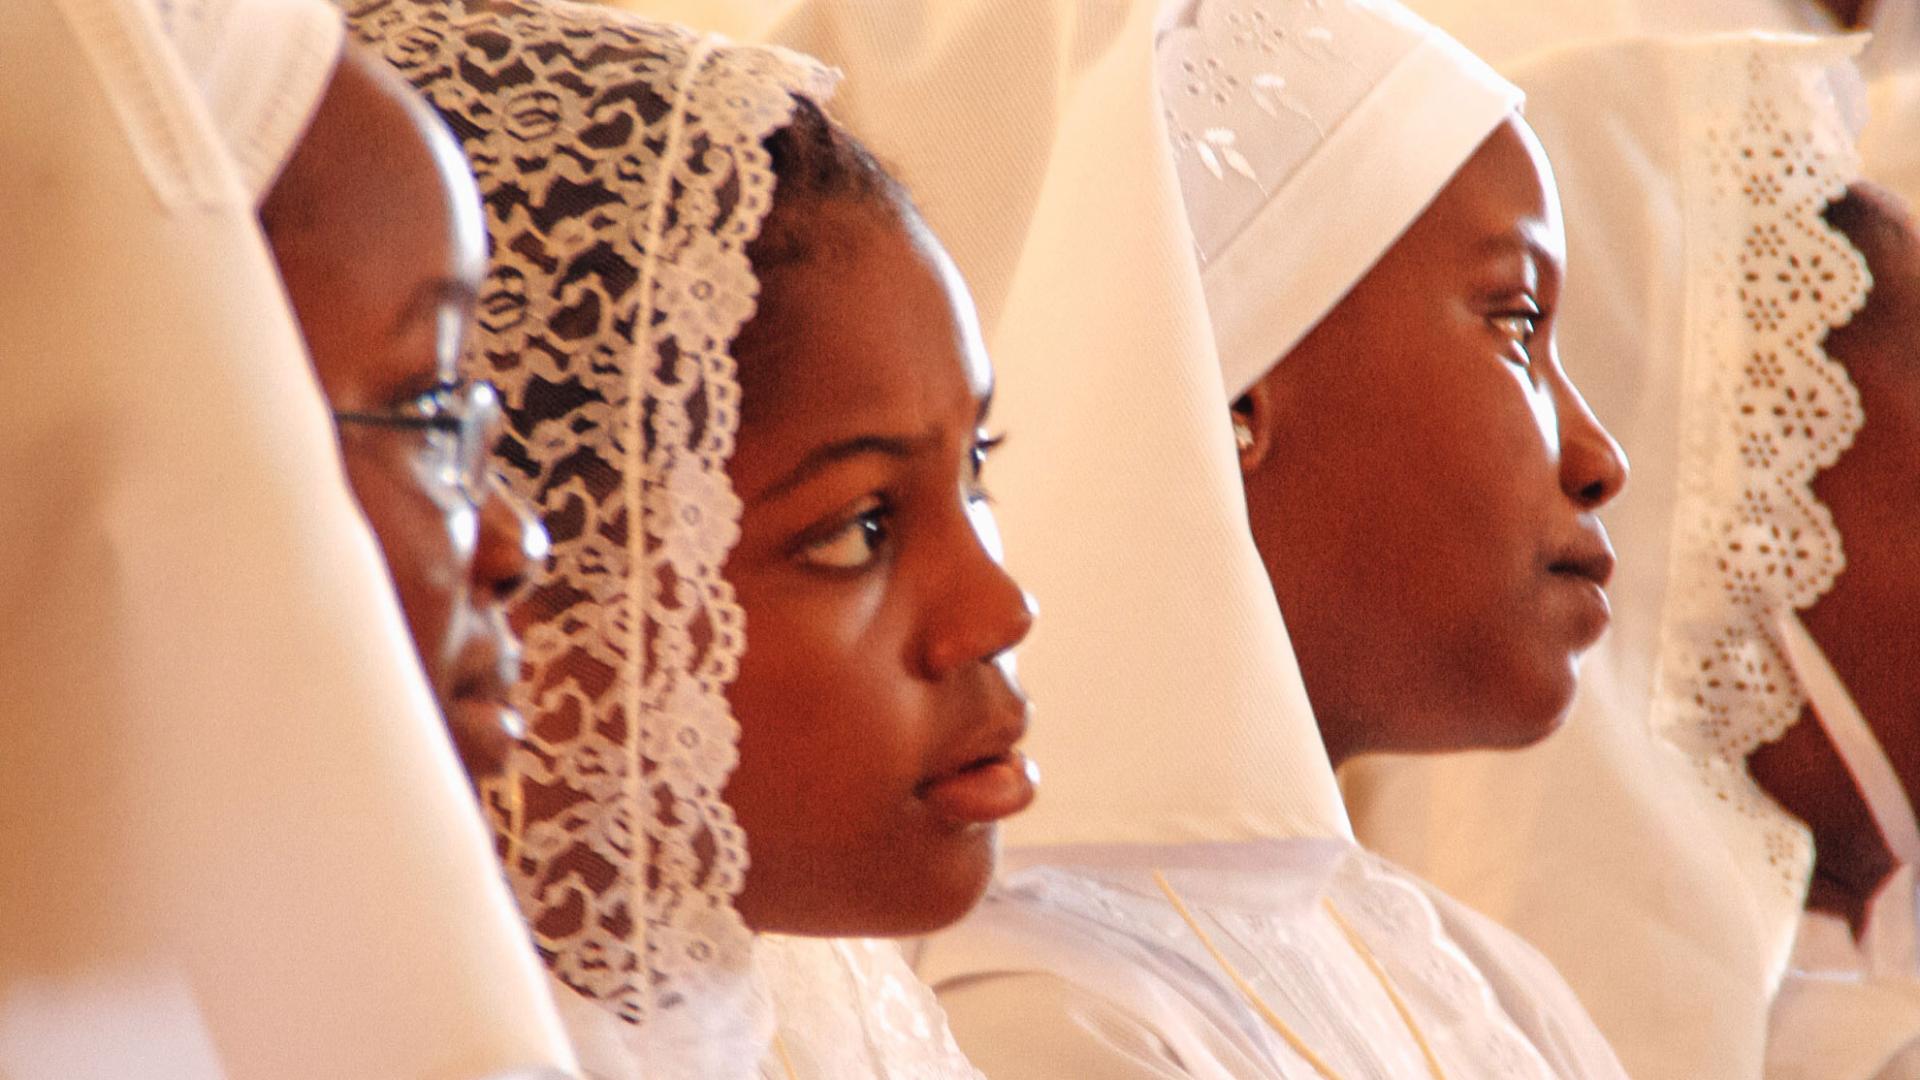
(431, 406)
(1522, 335)
(983, 448)
(870, 523)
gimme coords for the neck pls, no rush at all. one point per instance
(1852, 14)
(1338, 748)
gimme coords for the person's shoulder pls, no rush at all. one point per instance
(1524, 983)
(1066, 979)
(1037, 1025)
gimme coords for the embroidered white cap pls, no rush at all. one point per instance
(1308, 135)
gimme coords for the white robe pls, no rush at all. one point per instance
(1850, 1010)
(844, 1009)
(1078, 966)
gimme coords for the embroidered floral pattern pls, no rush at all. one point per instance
(1767, 410)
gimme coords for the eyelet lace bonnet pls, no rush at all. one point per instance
(622, 169)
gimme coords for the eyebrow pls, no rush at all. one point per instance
(1517, 242)
(430, 296)
(897, 447)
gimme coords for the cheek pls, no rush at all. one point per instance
(1485, 454)
(829, 714)
(1448, 453)
(1880, 536)
(427, 549)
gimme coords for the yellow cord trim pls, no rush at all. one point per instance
(1393, 994)
(1246, 989)
(1272, 1018)
(786, 1059)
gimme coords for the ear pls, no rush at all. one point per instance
(1254, 422)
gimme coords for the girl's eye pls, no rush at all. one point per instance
(1519, 328)
(983, 447)
(855, 543)
(434, 407)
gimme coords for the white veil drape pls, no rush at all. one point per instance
(239, 845)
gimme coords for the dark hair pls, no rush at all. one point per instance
(817, 163)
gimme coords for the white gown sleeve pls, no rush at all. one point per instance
(1531, 992)
(1036, 1026)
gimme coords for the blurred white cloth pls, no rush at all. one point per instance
(1086, 935)
(239, 846)
(1850, 1010)
(1504, 32)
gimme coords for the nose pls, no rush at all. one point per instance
(1593, 467)
(511, 543)
(983, 613)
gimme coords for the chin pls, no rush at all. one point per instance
(1511, 710)
(950, 888)
(903, 890)
(1539, 704)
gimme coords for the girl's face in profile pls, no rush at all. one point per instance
(877, 701)
(1425, 480)
(376, 230)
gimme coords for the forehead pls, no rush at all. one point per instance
(1502, 195)
(378, 234)
(879, 329)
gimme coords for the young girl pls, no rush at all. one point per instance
(745, 387)
(1636, 848)
(1185, 903)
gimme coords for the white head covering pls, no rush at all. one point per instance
(1633, 847)
(260, 65)
(622, 168)
(1293, 123)
(1169, 708)
(1891, 64)
(238, 843)
(1505, 33)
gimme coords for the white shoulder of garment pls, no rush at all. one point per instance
(1851, 1010)
(1079, 966)
(846, 1009)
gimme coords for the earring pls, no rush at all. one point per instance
(1242, 435)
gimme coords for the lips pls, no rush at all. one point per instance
(991, 781)
(480, 713)
(1590, 556)
(1588, 564)
(984, 791)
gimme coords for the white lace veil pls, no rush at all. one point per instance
(238, 844)
(1632, 846)
(623, 173)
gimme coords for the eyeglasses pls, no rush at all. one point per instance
(465, 418)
